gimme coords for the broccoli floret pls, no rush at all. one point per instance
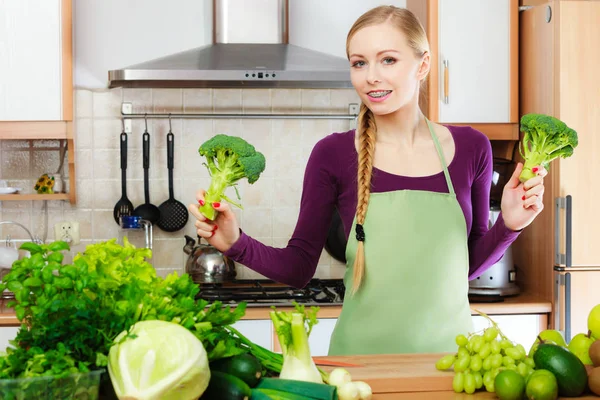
(545, 139)
(228, 159)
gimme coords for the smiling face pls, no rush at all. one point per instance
(385, 70)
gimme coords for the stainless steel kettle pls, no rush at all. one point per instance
(206, 264)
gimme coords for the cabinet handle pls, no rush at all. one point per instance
(446, 82)
(563, 274)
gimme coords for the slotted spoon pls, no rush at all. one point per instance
(173, 214)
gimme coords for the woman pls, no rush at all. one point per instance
(419, 222)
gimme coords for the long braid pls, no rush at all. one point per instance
(367, 132)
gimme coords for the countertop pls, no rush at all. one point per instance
(408, 376)
(521, 304)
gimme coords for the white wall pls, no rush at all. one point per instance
(323, 25)
(112, 34)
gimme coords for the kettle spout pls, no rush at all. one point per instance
(189, 245)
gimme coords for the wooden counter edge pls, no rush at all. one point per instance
(524, 304)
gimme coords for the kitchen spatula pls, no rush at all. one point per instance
(173, 214)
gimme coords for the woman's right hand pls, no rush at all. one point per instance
(221, 233)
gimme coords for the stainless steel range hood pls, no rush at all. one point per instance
(250, 49)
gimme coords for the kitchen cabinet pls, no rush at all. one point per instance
(36, 78)
(35, 39)
(7, 333)
(521, 329)
(474, 71)
(559, 58)
(258, 331)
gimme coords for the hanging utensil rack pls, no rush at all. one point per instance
(353, 110)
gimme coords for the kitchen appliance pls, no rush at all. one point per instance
(206, 264)
(249, 49)
(265, 293)
(500, 279)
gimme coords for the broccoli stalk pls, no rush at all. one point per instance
(545, 139)
(228, 159)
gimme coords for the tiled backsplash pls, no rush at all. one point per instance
(270, 205)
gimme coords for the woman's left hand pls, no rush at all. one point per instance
(522, 202)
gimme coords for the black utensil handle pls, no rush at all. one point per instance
(123, 163)
(170, 140)
(146, 150)
(146, 162)
(123, 150)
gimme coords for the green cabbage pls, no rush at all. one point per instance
(158, 360)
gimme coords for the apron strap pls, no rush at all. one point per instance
(441, 155)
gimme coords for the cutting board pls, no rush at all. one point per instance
(398, 373)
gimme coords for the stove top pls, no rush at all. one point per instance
(265, 293)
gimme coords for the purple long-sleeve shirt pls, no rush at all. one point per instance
(330, 181)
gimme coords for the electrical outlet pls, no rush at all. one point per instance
(67, 231)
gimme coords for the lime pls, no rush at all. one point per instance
(542, 385)
(510, 385)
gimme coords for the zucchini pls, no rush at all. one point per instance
(312, 390)
(260, 394)
(244, 366)
(223, 386)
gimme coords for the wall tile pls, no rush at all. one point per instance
(84, 104)
(341, 98)
(106, 164)
(259, 194)
(257, 222)
(284, 221)
(286, 193)
(140, 99)
(84, 168)
(104, 226)
(167, 100)
(84, 133)
(227, 100)
(107, 133)
(197, 100)
(256, 101)
(107, 104)
(286, 101)
(271, 204)
(315, 101)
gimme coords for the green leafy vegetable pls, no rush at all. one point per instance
(545, 139)
(228, 159)
(158, 360)
(71, 313)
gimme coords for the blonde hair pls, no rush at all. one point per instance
(410, 26)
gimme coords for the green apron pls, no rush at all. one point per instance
(413, 298)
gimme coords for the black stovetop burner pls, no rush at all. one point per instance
(257, 292)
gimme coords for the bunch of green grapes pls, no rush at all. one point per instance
(481, 356)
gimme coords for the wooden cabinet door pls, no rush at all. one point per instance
(474, 39)
(578, 87)
(258, 331)
(31, 59)
(578, 94)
